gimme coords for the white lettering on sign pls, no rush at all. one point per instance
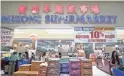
(95, 34)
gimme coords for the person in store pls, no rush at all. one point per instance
(118, 51)
(99, 52)
(60, 55)
(43, 57)
(115, 60)
(13, 61)
(33, 56)
(47, 56)
(56, 55)
(26, 55)
(81, 52)
(20, 56)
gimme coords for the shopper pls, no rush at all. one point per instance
(60, 55)
(26, 55)
(43, 57)
(115, 60)
(118, 51)
(33, 56)
(13, 58)
(56, 55)
(47, 56)
(20, 56)
(81, 52)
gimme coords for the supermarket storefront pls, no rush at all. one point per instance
(61, 15)
(61, 21)
(52, 24)
(56, 13)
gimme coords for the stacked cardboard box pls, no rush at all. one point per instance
(26, 73)
(25, 67)
(86, 67)
(53, 67)
(75, 67)
(43, 69)
(35, 65)
(32, 73)
(20, 73)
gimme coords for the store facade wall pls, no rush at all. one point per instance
(106, 8)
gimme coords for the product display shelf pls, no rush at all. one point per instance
(26, 73)
(25, 67)
(86, 67)
(64, 62)
(53, 67)
(75, 69)
(43, 69)
(35, 65)
(64, 67)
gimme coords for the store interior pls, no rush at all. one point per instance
(61, 40)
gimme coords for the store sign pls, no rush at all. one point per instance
(95, 34)
(6, 36)
(60, 15)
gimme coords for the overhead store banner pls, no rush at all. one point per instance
(60, 14)
(95, 34)
(6, 36)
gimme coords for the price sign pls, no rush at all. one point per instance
(95, 34)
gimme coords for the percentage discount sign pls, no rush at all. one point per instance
(101, 34)
(96, 34)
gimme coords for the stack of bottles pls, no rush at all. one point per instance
(75, 69)
(53, 67)
(43, 69)
(86, 67)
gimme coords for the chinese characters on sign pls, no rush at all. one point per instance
(59, 9)
(35, 9)
(22, 9)
(46, 8)
(95, 34)
(60, 14)
(84, 9)
(95, 9)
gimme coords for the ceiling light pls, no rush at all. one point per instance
(60, 31)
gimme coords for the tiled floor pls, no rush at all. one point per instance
(96, 72)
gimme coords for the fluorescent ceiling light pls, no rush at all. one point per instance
(120, 31)
(116, 45)
(18, 31)
(104, 45)
(60, 31)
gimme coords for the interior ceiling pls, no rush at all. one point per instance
(46, 44)
(54, 26)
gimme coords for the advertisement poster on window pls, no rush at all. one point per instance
(95, 34)
(6, 36)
